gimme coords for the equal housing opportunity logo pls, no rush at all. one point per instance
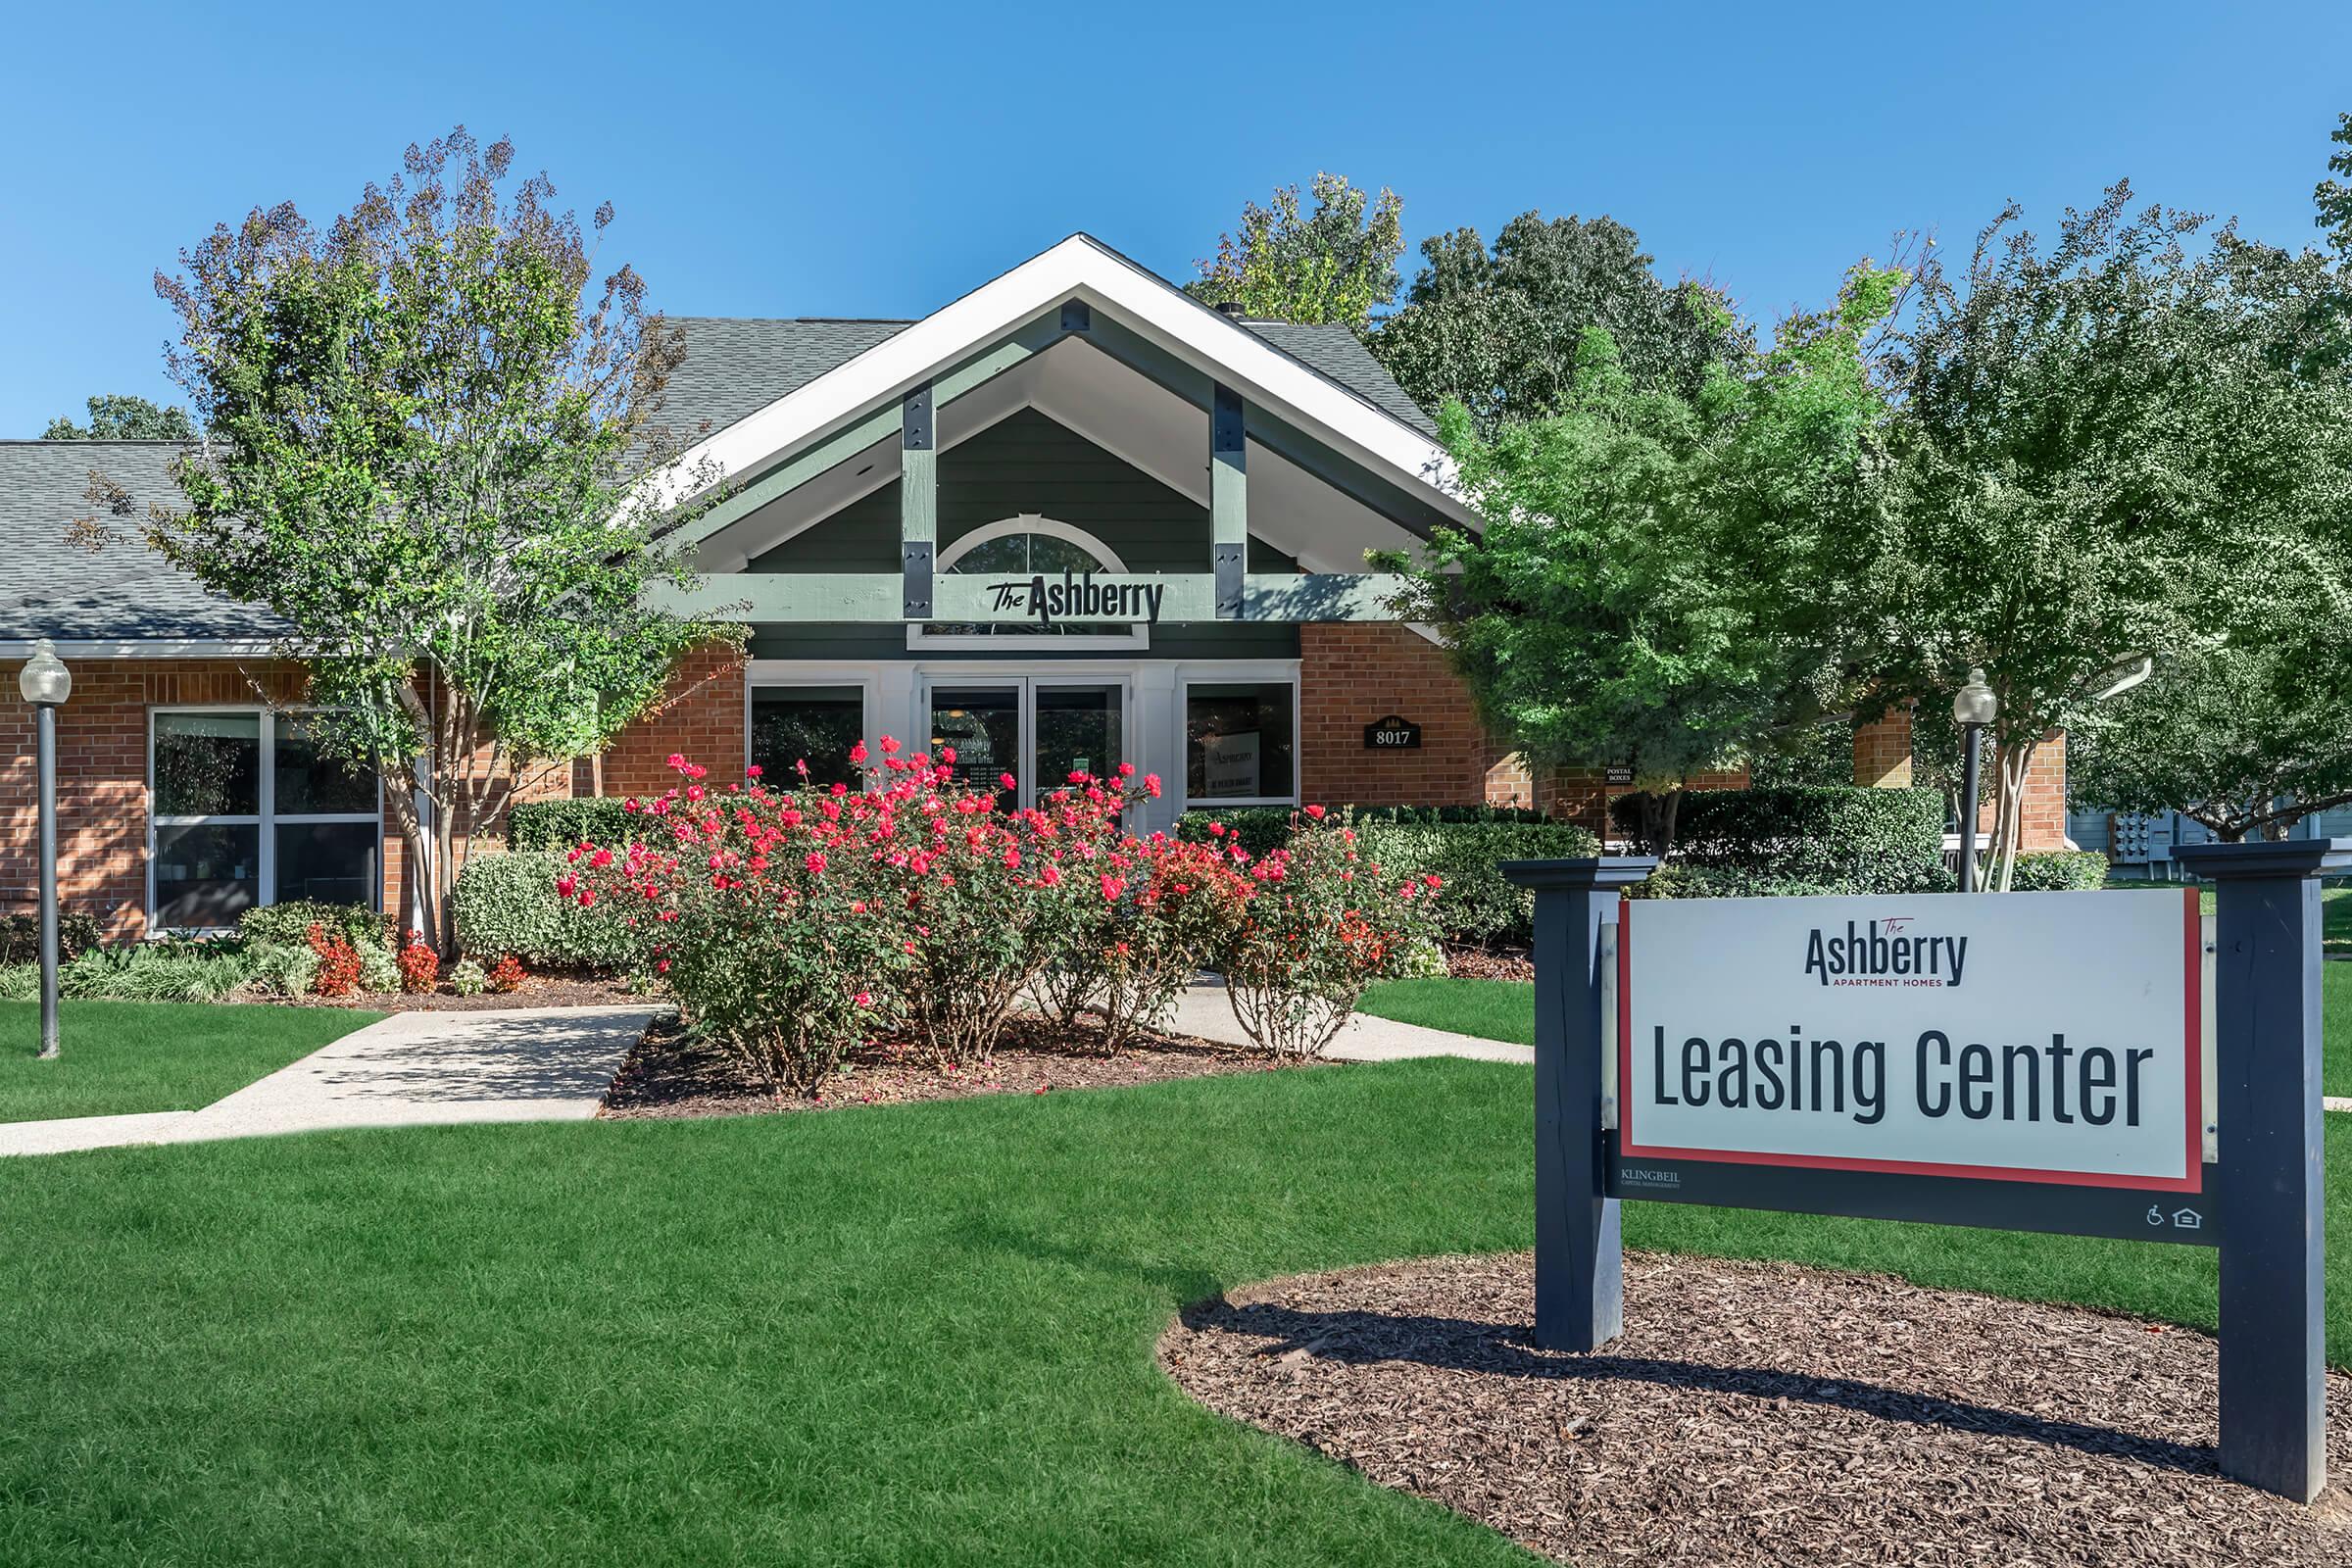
(1885, 952)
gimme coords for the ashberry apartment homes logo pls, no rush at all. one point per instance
(1077, 598)
(1884, 952)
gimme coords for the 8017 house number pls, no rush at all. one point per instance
(1392, 734)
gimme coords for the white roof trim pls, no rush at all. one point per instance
(1079, 267)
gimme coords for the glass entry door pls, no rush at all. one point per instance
(1040, 729)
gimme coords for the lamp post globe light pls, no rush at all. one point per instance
(1974, 707)
(46, 684)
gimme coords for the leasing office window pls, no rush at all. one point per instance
(247, 810)
(1240, 743)
(817, 724)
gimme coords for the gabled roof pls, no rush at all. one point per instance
(743, 390)
(735, 367)
(1269, 370)
(51, 586)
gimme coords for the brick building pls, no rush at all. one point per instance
(1073, 518)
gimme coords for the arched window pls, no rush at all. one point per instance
(1022, 547)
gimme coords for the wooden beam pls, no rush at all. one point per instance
(872, 597)
(1228, 498)
(969, 375)
(918, 503)
(1396, 503)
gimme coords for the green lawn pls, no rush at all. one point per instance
(121, 1057)
(1506, 1010)
(912, 1335)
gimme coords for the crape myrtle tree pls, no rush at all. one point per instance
(1662, 580)
(424, 436)
(2095, 440)
(2243, 740)
(1499, 331)
(1336, 263)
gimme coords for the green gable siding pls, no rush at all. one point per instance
(1026, 462)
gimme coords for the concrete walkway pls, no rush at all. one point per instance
(1204, 1010)
(412, 1069)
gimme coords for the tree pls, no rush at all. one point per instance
(2096, 441)
(2244, 739)
(1500, 332)
(1336, 263)
(421, 440)
(1659, 579)
(124, 418)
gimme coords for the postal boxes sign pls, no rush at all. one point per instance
(2048, 1037)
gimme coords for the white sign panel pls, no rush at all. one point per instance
(2049, 1037)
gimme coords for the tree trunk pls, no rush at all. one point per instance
(2011, 763)
(1659, 808)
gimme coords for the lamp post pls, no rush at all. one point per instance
(1973, 707)
(46, 684)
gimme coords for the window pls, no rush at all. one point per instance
(815, 724)
(1016, 550)
(246, 811)
(1240, 742)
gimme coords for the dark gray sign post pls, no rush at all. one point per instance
(2274, 1186)
(1580, 1273)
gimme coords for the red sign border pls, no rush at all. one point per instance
(2192, 957)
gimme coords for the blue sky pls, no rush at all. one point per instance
(880, 160)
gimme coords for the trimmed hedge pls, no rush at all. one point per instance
(2059, 871)
(21, 936)
(508, 903)
(1673, 880)
(560, 824)
(289, 924)
(1830, 837)
(1465, 845)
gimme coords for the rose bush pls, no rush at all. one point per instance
(1319, 923)
(793, 923)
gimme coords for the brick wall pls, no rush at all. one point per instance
(2041, 814)
(1357, 674)
(102, 776)
(1883, 751)
(701, 714)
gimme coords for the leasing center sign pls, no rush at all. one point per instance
(2042, 1038)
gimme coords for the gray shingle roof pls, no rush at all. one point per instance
(1337, 354)
(734, 367)
(51, 586)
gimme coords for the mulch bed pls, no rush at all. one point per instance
(674, 1072)
(536, 991)
(1763, 1413)
(1477, 963)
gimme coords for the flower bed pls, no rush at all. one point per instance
(798, 924)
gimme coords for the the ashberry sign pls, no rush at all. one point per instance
(1974, 1038)
(2028, 1062)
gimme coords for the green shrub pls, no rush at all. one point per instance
(560, 825)
(508, 903)
(379, 971)
(289, 924)
(467, 978)
(208, 971)
(20, 982)
(1465, 845)
(1475, 905)
(1673, 880)
(283, 970)
(1256, 828)
(21, 937)
(2059, 871)
(1833, 838)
